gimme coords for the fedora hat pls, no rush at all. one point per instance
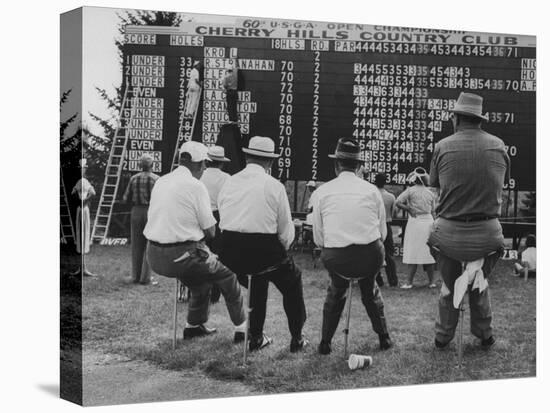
(217, 154)
(469, 104)
(347, 148)
(261, 146)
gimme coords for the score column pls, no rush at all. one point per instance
(285, 119)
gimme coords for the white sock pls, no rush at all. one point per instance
(241, 327)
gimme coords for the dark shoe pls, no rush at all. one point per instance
(238, 337)
(385, 342)
(297, 344)
(488, 343)
(200, 331)
(324, 347)
(439, 345)
(258, 344)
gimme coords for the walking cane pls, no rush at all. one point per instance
(175, 326)
(461, 326)
(248, 310)
(348, 316)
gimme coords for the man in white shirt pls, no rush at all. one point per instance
(349, 224)
(214, 178)
(178, 221)
(257, 231)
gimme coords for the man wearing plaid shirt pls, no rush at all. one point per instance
(138, 193)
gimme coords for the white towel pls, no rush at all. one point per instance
(473, 274)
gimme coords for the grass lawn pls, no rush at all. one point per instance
(134, 321)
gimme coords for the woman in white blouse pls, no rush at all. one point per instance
(84, 190)
(419, 201)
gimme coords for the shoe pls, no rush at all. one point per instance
(152, 282)
(406, 286)
(385, 342)
(432, 285)
(238, 337)
(200, 331)
(324, 348)
(259, 344)
(90, 274)
(297, 344)
(488, 343)
(439, 345)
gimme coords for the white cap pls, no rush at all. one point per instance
(197, 150)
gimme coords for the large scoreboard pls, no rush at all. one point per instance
(306, 84)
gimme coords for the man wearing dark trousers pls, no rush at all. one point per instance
(389, 203)
(349, 224)
(179, 221)
(257, 231)
(470, 168)
(138, 193)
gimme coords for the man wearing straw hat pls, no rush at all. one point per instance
(214, 178)
(470, 167)
(257, 231)
(138, 193)
(178, 221)
(349, 224)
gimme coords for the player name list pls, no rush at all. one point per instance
(307, 84)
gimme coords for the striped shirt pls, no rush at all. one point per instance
(139, 188)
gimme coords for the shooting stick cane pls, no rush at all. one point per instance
(348, 316)
(248, 311)
(175, 326)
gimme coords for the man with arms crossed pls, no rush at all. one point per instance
(178, 222)
(470, 167)
(349, 224)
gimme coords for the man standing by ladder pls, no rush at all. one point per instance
(138, 193)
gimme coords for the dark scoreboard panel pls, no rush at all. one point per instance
(305, 84)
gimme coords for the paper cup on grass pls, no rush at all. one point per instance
(358, 361)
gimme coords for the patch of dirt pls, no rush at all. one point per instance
(113, 379)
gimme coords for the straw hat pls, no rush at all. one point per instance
(470, 104)
(217, 154)
(261, 146)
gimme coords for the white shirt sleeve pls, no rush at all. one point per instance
(285, 226)
(204, 213)
(317, 221)
(381, 215)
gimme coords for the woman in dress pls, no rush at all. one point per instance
(419, 201)
(84, 190)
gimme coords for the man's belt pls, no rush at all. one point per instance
(471, 218)
(172, 244)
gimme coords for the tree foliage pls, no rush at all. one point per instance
(97, 145)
